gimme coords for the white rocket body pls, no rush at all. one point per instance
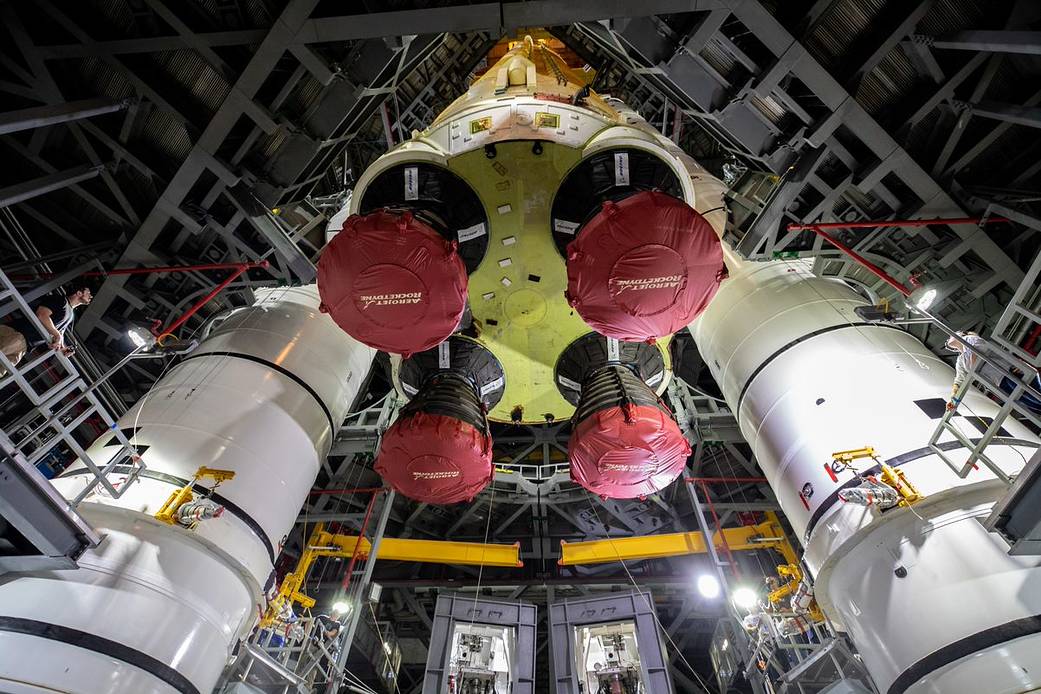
(158, 608)
(932, 601)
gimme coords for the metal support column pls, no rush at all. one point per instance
(359, 596)
(1028, 42)
(1010, 113)
(754, 679)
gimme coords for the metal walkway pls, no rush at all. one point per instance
(1018, 328)
(44, 401)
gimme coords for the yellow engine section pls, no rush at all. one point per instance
(524, 106)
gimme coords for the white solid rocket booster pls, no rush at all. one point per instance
(156, 608)
(932, 601)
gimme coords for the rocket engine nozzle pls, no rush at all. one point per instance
(439, 451)
(624, 441)
(392, 282)
(643, 267)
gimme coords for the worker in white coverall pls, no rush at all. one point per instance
(997, 370)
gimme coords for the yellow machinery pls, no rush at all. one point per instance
(168, 512)
(889, 475)
(323, 543)
(794, 577)
(766, 535)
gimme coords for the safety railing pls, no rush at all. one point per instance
(296, 654)
(46, 409)
(362, 430)
(1018, 330)
(806, 662)
(1009, 401)
(51, 402)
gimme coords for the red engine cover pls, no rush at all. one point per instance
(392, 282)
(644, 267)
(620, 457)
(435, 459)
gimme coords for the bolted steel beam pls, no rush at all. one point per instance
(46, 184)
(41, 116)
(892, 157)
(1028, 42)
(253, 76)
(485, 16)
(1010, 113)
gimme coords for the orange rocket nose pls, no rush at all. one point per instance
(392, 282)
(644, 267)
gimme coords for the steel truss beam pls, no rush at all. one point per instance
(46, 184)
(497, 17)
(42, 116)
(56, 111)
(793, 59)
(1010, 113)
(201, 158)
(989, 139)
(1027, 42)
(212, 39)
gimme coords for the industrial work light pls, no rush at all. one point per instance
(141, 338)
(925, 297)
(708, 586)
(745, 598)
(923, 302)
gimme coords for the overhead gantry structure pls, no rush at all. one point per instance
(230, 137)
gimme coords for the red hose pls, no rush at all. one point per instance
(871, 224)
(198, 305)
(357, 546)
(868, 265)
(719, 529)
(1030, 344)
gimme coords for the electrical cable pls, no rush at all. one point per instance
(369, 407)
(383, 643)
(357, 682)
(654, 612)
(487, 529)
(706, 395)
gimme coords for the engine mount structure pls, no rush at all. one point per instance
(531, 211)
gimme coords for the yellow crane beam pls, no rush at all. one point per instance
(322, 543)
(326, 544)
(424, 551)
(766, 535)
